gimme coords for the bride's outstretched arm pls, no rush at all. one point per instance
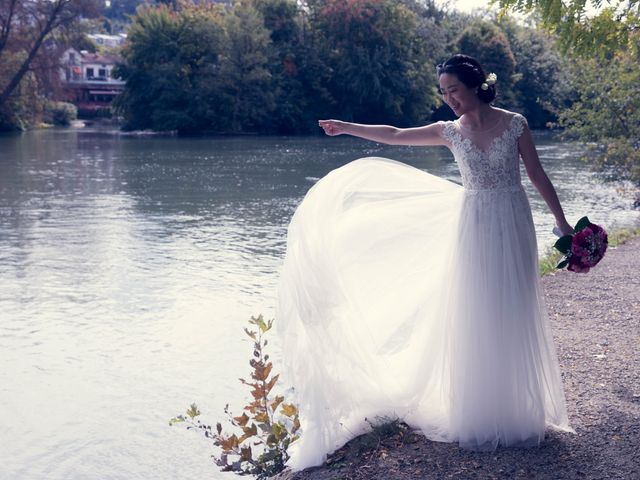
(541, 181)
(418, 136)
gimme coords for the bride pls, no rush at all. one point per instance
(405, 295)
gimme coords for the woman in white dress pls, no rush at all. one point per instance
(405, 295)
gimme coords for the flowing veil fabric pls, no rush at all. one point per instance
(405, 295)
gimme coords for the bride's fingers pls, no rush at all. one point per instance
(328, 128)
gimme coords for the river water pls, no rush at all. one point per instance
(130, 265)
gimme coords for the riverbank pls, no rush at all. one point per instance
(594, 319)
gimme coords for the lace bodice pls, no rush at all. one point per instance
(497, 167)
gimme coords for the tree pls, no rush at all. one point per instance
(606, 113)
(197, 68)
(376, 68)
(26, 25)
(486, 42)
(288, 60)
(544, 85)
(604, 56)
(23, 106)
(247, 81)
(172, 59)
(602, 33)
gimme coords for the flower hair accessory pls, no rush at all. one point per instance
(491, 79)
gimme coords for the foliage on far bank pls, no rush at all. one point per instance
(60, 113)
(542, 85)
(377, 58)
(605, 113)
(267, 423)
(270, 66)
(276, 66)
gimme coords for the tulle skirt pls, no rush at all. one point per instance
(403, 295)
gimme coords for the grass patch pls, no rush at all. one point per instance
(548, 262)
(621, 236)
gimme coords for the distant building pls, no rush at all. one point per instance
(108, 40)
(88, 79)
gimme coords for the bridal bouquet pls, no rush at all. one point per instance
(584, 249)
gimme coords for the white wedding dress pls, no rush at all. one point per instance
(405, 295)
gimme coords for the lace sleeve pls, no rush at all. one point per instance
(519, 123)
(448, 131)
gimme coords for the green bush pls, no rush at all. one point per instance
(60, 113)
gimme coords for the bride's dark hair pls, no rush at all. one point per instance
(470, 72)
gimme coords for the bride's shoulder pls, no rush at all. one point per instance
(511, 116)
(446, 128)
(516, 122)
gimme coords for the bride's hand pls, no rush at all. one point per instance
(332, 127)
(565, 228)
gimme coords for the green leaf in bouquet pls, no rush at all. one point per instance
(563, 263)
(582, 223)
(563, 244)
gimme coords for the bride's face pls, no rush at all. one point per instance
(457, 95)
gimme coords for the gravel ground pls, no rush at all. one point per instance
(596, 326)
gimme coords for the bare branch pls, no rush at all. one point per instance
(41, 18)
(6, 21)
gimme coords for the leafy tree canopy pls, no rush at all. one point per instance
(606, 113)
(610, 28)
(488, 44)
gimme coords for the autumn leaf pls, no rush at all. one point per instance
(289, 410)
(258, 392)
(250, 431)
(271, 383)
(230, 443)
(278, 400)
(262, 371)
(245, 453)
(262, 417)
(242, 419)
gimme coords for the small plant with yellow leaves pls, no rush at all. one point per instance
(267, 422)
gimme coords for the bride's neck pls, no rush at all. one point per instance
(480, 118)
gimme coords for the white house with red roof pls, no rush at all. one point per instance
(88, 79)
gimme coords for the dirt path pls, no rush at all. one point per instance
(596, 326)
